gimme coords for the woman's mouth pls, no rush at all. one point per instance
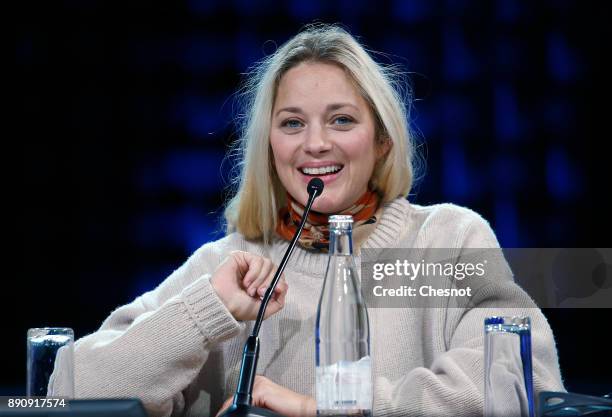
(326, 173)
(322, 171)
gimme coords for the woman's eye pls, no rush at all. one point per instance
(343, 120)
(292, 124)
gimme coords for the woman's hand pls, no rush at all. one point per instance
(242, 279)
(267, 394)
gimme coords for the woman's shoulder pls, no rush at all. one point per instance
(216, 250)
(446, 213)
(449, 224)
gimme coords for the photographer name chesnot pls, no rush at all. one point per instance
(423, 291)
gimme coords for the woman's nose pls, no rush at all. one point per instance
(316, 141)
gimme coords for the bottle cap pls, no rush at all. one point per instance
(338, 221)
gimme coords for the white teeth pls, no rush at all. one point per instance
(322, 170)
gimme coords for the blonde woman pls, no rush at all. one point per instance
(319, 106)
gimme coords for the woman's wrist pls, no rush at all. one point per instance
(225, 299)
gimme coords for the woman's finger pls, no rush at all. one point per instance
(281, 292)
(255, 265)
(267, 394)
(264, 278)
(277, 302)
(281, 288)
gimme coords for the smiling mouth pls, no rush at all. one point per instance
(321, 172)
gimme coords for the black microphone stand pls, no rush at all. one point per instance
(242, 405)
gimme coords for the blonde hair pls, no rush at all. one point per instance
(258, 192)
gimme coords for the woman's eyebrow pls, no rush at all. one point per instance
(290, 110)
(336, 106)
(329, 107)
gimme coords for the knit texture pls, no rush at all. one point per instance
(178, 349)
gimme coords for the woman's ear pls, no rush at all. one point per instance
(383, 147)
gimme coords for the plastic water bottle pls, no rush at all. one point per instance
(343, 364)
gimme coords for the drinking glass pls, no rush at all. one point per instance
(50, 362)
(508, 369)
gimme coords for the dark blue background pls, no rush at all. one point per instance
(125, 112)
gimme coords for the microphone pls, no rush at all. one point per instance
(315, 185)
(242, 407)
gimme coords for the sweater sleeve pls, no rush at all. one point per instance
(453, 382)
(155, 346)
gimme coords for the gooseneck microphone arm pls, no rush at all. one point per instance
(241, 406)
(315, 188)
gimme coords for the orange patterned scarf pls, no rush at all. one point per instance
(315, 236)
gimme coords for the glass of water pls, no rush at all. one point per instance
(508, 369)
(50, 362)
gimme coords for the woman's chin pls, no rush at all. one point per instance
(325, 205)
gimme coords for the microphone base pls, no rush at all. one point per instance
(248, 411)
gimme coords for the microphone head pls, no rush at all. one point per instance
(315, 185)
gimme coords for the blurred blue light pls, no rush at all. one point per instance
(205, 53)
(186, 227)
(248, 50)
(249, 7)
(508, 11)
(455, 177)
(458, 115)
(203, 7)
(461, 8)
(559, 117)
(508, 122)
(508, 172)
(201, 116)
(459, 62)
(148, 278)
(306, 9)
(426, 120)
(192, 172)
(507, 223)
(352, 11)
(562, 60)
(561, 177)
(508, 57)
(412, 11)
(411, 53)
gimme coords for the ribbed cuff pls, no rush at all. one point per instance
(210, 315)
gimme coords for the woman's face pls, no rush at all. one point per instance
(322, 127)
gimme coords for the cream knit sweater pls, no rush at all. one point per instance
(178, 349)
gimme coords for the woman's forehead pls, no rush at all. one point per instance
(320, 85)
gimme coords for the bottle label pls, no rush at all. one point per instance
(345, 385)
